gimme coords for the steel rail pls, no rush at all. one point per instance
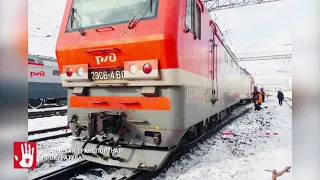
(46, 130)
(49, 113)
(50, 137)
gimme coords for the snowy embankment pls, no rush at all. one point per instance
(49, 153)
(47, 122)
(288, 94)
(47, 109)
(50, 156)
(245, 156)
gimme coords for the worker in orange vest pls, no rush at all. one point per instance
(258, 101)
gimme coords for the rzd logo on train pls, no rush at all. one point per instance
(41, 73)
(111, 57)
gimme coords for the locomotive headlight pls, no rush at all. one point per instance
(69, 72)
(80, 71)
(133, 69)
(147, 68)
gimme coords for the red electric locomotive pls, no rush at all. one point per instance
(143, 76)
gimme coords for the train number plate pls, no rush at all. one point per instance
(106, 75)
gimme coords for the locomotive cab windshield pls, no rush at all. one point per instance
(89, 14)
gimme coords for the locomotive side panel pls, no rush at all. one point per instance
(245, 86)
(197, 71)
(44, 80)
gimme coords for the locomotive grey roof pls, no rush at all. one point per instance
(40, 58)
(245, 71)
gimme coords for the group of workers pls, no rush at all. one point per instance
(259, 97)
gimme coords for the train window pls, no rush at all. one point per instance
(55, 73)
(226, 56)
(212, 44)
(40, 61)
(189, 15)
(198, 21)
(31, 60)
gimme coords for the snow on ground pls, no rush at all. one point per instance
(49, 156)
(47, 109)
(119, 173)
(288, 94)
(47, 122)
(51, 148)
(106, 174)
(37, 136)
(57, 148)
(289, 102)
(245, 156)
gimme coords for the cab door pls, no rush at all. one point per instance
(213, 58)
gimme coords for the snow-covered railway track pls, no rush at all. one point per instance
(67, 172)
(87, 167)
(182, 150)
(46, 113)
(288, 101)
(51, 137)
(80, 168)
(46, 130)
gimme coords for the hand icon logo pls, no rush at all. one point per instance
(27, 155)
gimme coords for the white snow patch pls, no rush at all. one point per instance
(109, 173)
(47, 109)
(287, 94)
(289, 102)
(245, 156)
(56, 148)
(47, 122)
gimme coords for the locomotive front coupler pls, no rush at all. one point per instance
(105, 122)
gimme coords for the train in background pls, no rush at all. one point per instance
(44, 83)
(146, 90)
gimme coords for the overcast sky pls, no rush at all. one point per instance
(257, 28)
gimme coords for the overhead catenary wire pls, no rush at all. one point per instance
(45, 9)
(40, 32)
(44, 17)
(43, 23)
(47, 36)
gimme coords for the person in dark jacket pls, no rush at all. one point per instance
(263, 94)
(255, 97)
(280, 96)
